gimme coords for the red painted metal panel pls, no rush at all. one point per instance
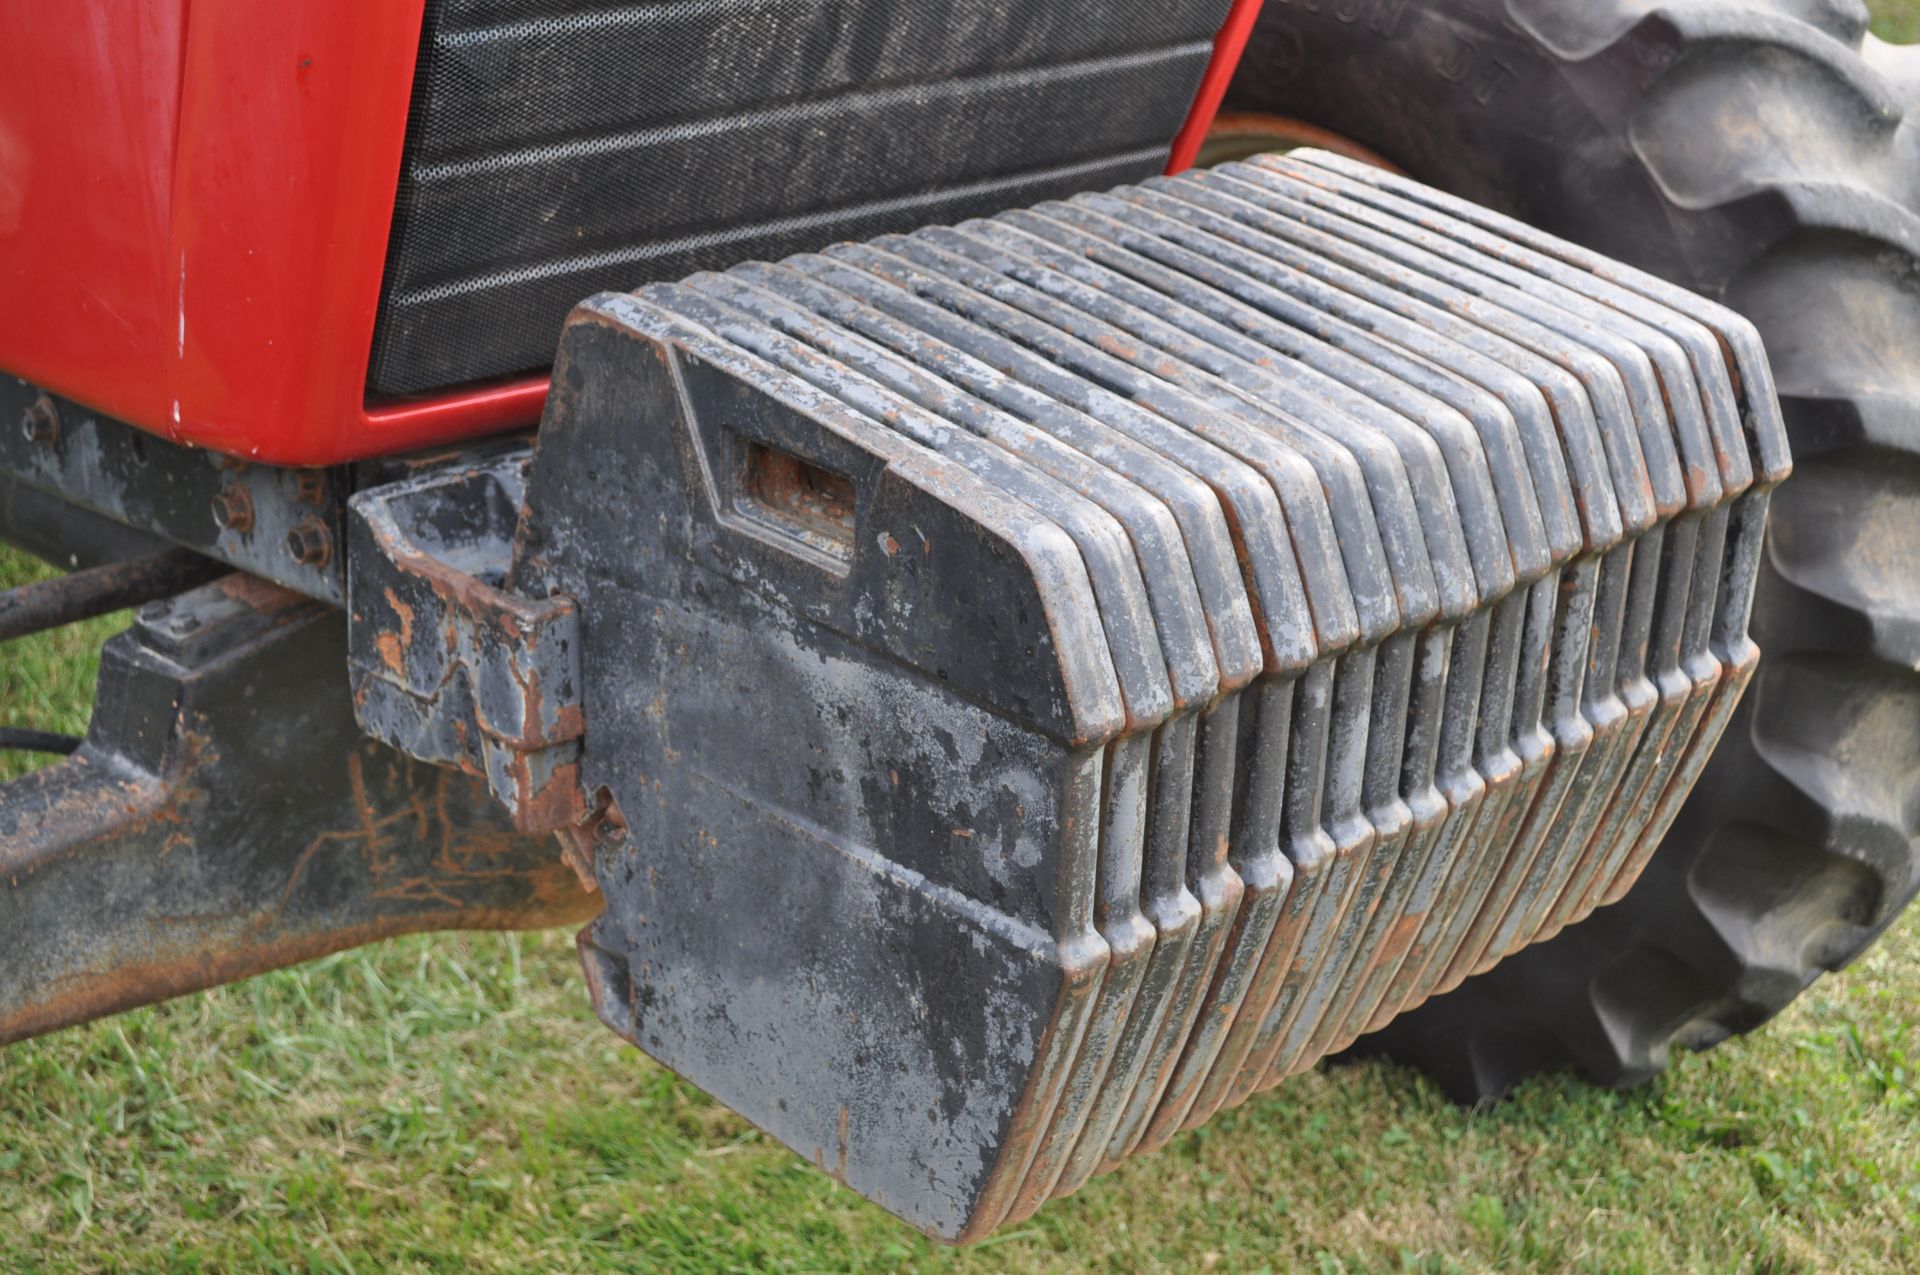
(292, 121)
(194, 204)
(1227, 48)
(89, 101)
(195, 200)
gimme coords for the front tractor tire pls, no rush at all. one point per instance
(1765, 155)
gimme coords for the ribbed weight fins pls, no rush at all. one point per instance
(1206, 618)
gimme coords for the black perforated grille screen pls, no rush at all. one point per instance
(557, 147)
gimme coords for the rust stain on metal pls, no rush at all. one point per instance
(393, 650)
(404, 612)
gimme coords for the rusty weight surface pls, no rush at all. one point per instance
(1023, 687)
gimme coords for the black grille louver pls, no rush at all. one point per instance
(555, 149)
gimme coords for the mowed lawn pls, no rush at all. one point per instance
(448, 1103)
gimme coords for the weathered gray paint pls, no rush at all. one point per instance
(1176, 630)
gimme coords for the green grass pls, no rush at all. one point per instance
(449, 1104)
(47, 680)
(1896, 20)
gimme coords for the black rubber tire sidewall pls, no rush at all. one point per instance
(1542, 111)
